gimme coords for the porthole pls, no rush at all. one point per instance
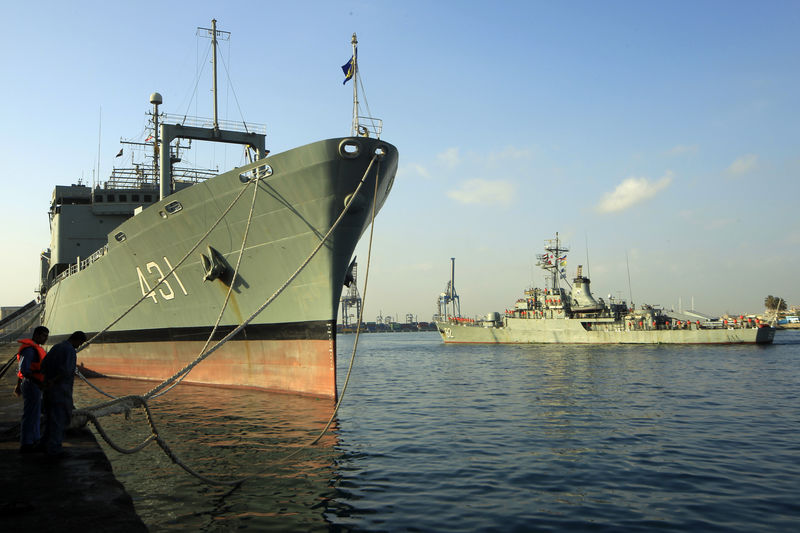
(173, 207)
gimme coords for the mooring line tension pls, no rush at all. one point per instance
(128, 402)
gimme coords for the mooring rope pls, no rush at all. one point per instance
(277, 293)
(352, 354)
(254, 180)
(227, 295)
(172, 381)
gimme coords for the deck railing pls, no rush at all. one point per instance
(81, 264)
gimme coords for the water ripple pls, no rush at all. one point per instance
(485, 438)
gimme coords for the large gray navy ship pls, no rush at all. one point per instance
(556, 315)
(170, 237)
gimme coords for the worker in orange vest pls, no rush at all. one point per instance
(31, 381)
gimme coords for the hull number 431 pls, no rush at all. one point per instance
(165, 289)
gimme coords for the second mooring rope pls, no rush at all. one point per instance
(128, 402)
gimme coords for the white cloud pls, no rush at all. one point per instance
(683, 149)
(414, 168)
(743, 164)
(631, 192)
(449, 157)
(478, 191)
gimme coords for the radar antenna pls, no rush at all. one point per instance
(553, 260)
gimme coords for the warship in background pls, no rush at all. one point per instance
(557, 315)
(120, 242)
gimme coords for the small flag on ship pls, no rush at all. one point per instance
(119, 153)
(349, 69)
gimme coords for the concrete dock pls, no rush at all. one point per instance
(77, 493)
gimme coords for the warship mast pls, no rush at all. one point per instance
(551, 259)
(354, 126)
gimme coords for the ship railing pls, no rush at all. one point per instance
(707, 324)
(139, 177)
(81, 264)
(194, 175)
(369, 127)
(143, 178)
(208, 123)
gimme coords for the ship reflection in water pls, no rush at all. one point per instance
(226, 435)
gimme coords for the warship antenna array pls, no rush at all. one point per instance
(552, 259)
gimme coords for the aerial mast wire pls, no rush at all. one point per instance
(588, 271)
(99, 136)
(630, 291)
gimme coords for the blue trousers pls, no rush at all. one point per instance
(31, 413)
(58, 413)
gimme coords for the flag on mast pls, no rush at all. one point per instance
(349, 69)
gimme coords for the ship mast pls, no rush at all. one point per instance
(170, 132)
(354, 126)
(551, 259)
(214, 69)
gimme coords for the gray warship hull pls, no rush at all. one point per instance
(573, 331)
(291, 345)
(554, 315)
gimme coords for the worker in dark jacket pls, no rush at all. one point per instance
(59, 374)
(31, 380)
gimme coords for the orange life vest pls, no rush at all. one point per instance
(36, 366)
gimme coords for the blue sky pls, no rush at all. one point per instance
(664, 132)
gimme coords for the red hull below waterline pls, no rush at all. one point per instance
(298, 366)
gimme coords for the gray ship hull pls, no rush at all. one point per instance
(572, 331)
(291, 345)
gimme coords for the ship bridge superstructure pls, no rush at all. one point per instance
(555, 301)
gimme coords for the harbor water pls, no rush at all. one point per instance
(434, 437)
